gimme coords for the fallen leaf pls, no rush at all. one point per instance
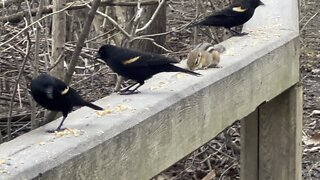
(210, 175)
(314, 139)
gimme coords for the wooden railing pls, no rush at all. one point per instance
(175, 114)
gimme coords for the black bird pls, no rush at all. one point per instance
(234, 15)
(137, 65)
(53, 94)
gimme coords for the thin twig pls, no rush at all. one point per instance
(152, 17)
(309, 20)
(75, 5)
(16, 85)
(56, 62)
(178, 29)
(19, 96)
(113, 22)
(226, 171)
(24, 29)
(36, 64)
(82, 38)
(156, 44)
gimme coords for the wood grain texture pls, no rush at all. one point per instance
(280, 136)
(165, 127)
(167, 136)
(249, 140)
(271, 139)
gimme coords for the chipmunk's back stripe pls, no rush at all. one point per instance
(210, 48)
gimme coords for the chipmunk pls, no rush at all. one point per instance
(204, 55)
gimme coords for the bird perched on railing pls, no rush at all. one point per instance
(234, 15)
(204, 55)
(137, 65)
(53, 94)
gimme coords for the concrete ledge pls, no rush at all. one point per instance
(174, 114)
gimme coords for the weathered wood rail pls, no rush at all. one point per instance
(174, 115)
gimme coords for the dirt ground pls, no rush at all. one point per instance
(220, 157)
(310, 79)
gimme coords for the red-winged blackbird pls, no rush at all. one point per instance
(137, 65)
(234, 15)
(53, 94)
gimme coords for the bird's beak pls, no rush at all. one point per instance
(97, 56)
(262, 4)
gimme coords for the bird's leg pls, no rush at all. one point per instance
(133, 91)
(59, 127)
(236, 33)
(127, 88)
(118, 84)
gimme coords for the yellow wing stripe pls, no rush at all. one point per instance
(65, 91)
(238, 9)
(131, 60)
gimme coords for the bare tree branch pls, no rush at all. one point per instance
(152, 17)
(16, 86)
(75, 5)
(82, 38)
(24, 29)
(33, 121)
(113, 22)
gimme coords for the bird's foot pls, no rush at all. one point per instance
(236, 33)
(129, 92)
(55, 130)
(240, 34)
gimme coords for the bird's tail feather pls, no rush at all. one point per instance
(95, 107)
(179, 69)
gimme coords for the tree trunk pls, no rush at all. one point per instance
(58, 41)
(157, 26)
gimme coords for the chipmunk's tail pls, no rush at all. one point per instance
(217, 47)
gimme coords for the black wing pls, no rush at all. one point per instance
(59, 87)
(131, 58)
(233, 10)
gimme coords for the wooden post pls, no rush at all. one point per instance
(249, 147)
(271, 139)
